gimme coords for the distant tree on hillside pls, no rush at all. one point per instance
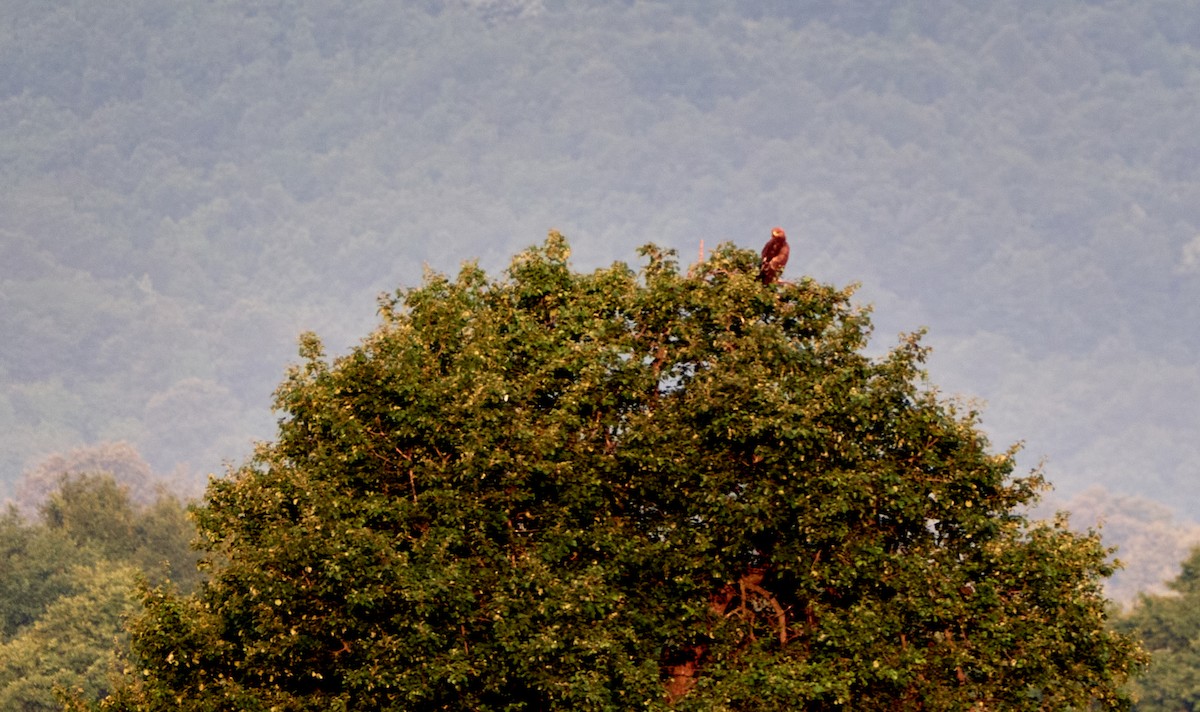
(1150, 539)
(68, 584)
(73, 643)
(610, 492)
(35, 569)
(120, 460)
(95, 512)
(1169, 627)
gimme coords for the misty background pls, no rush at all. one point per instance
(185, 186)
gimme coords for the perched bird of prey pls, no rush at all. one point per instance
(774, 257)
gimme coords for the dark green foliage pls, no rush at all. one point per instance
(609, 492)
(68, 584)
(1169, 627)
(35, 567)
(94, 512)
(71, 645)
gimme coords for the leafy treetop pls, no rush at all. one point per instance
(626, 490)
(1169, 627)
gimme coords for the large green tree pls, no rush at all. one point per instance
(614, 491)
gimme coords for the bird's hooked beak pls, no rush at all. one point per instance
(777, 232)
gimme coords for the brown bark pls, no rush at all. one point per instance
(683, 668)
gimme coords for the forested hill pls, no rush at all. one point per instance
(187, 185)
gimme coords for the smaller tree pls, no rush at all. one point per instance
(67, 584)
(71, 646)
(118, 459)
(95, 512)
(1169, 627)
(36, 566)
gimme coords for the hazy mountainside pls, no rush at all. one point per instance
(1152, 543)
(187, 185)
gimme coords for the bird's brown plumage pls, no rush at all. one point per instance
(774, 257)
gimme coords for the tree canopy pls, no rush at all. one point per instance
(67, 580)
(1169, 627)
(624, 490)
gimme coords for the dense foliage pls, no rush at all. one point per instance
(1169, 627)
(67, 585)
(613, 491)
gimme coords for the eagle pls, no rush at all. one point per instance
(774, 257)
